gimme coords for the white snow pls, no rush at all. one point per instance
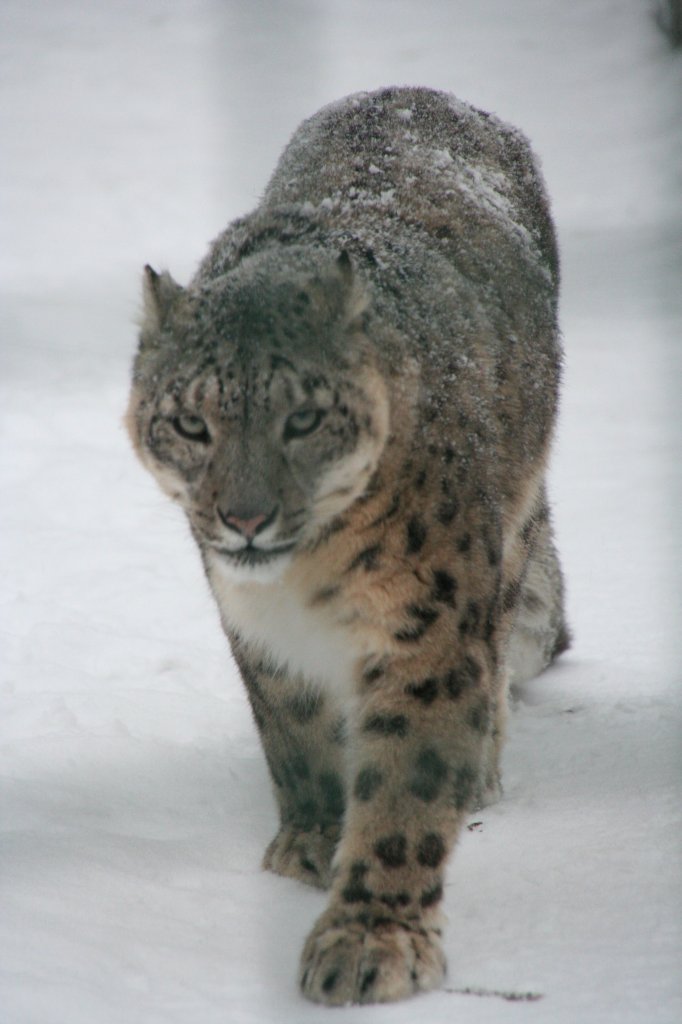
(135, 800)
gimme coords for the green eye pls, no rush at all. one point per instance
(192, 428)
(302, 423)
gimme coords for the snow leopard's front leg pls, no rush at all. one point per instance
(418, 755)
(304, 740)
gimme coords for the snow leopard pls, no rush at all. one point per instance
(353, 402)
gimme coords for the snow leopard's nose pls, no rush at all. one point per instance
(248, 525)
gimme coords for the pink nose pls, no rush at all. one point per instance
(248, 526)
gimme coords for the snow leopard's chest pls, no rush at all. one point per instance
(290, 630)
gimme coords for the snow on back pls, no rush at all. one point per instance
(418, 161)
(135, 800)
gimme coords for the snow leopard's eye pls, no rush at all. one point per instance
(302, 423)
(192, 428)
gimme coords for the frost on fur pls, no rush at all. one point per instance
(353, 401)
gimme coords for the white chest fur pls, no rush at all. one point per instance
(274, 615)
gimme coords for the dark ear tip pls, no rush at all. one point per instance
(150, 273)
(344, 265)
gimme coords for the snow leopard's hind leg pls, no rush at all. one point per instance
(540, 633)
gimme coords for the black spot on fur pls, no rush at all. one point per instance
(464, 544)
(423, 613)
(455, 683)
(336, 526)
(367, 559)
(387, 725)
(471, 619)
(371, 921)
(431, 896)
(425, 617)
(462, 678)
(356, 891)
(478, 716)
(448, 511)
(368, 781)
(491, 546)
(395, 899)
(493, 554)
(416, 536)
(330, 982)
(368, 980)
(308, 865)
(431, 850)
(372, 674)
(324, 594)
(511, 595)
(428, 775)
(410, 634)
(420, 480)
(444, 587)
(392, 850)
(426, 691)
(390, 512)
(472, 669)
(463, 789)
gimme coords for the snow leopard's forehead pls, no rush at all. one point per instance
(256, 311)
(233, 386)
(254, 345)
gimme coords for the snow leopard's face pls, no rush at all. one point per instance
(250, 413)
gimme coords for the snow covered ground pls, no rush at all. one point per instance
(135, 802)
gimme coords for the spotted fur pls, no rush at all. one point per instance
(353, 402)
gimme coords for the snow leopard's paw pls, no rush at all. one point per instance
(369, 959)
(304, 855)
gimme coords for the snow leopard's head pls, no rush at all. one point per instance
(256, 405)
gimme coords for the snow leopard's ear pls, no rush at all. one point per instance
(160, 292)
(354, 296)
(340, 291)
(344, 265)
